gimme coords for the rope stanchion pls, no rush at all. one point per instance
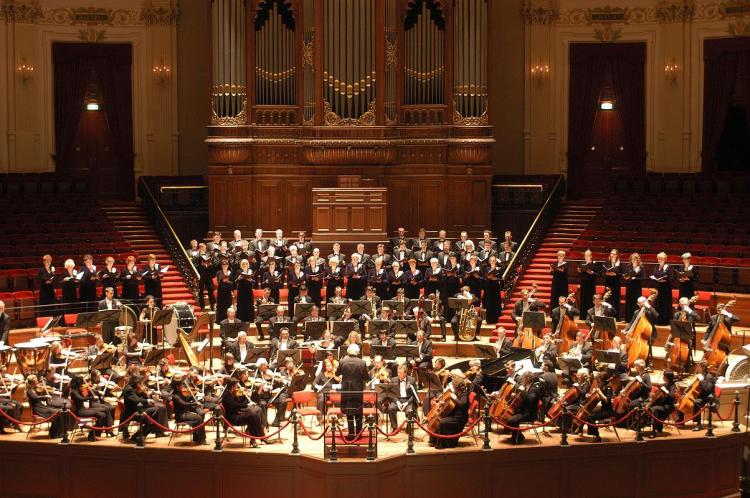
(218, 444)
(638, 424)
(139, 435)
(736, 423)
(410, 417)
(370, 446)
(711, 408)
(395, 431)
(333, 454)
(295, 428)
(64, 414)
(487, 428)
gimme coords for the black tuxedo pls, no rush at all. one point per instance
(4, 328)
(407, 396)
(354, 376)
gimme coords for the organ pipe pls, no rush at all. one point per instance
(228, 50)
(470, 63)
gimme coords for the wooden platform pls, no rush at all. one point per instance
(684, 464)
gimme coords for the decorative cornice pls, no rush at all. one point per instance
(669, 11)
(155, 16)
(21, 12)
(541, 14)
(608, 15)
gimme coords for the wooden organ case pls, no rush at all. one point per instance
(305, 92)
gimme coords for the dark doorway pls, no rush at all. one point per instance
(93, 116)
(606, 124)
(726, 105)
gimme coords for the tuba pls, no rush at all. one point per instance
(467, 323)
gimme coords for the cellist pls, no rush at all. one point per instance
(455, 421)
(611, 387)
(707, 376)
(530, 392)
(662, 403)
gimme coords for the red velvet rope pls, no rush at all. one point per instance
(395, 431)
(448, 436)
(729, 417)
(30, 424)
(100, 429)
(246, 435)
(676, 424)
(610, 424)
(528, 428)
(175, 431)
(307, 433)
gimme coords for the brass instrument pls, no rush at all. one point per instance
(435, 311)
(467, 323)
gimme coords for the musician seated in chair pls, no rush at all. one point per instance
(265, 299)
(383, 339)
(530, 393)
(662, 403)
(241, 348)
(549, 383)
(547, 351)
(407, 397)
(230, 319)
(454, 421)
(581, 350)
(424, 360)
(707, 376)
(187, 410)
(611, 384)
(283, 343)
(108, 326)
(503, 344)
(644, 378)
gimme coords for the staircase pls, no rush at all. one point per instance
(132, 221)
(571, 220)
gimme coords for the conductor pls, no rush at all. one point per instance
(353, 372)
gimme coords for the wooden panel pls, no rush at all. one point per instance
(230, 202)
(268, 203)
(21, 476)
(460, 204)
(431, 204)
(186, 482)
(340, 221)
(357, 219)
(323, 217)
(375, 220)
(400, 201)
(297, 199)
(691, 463)
(87, 474)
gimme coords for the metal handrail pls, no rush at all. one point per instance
(175, 238)
(524, 248)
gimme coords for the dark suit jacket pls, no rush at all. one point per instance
(354, 375)
(426, 351)
(411, 388)
(276, 344)
(4, 328)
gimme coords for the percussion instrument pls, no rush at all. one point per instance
(5, 354)
(183, 318)
(32, 357)
(79, 341)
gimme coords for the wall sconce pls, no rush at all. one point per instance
(25, 71)
(539, 72)
(161, 72)
(671, 69)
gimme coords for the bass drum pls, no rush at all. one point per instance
(182, 318)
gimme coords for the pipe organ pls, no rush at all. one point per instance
(322, 93)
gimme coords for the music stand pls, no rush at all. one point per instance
(281, 356)
(277, 326)
(485, 351)
(683, 331)
(230, 330)
(569, 364)
(88, 320)
(427, 305)
(533, 320)
(52, 322)
(334, 311)
(162, 318)
(387, 391)
(406, 351)
(315, 329)
(397, 307)
(606, 325)
(385, 352)
(153, 356)
(458, 303)
(253, 354)
(360, 307)
(432, 381)
(266, 311)
(408, 327)
(375, 326)
(342, 329)
(302, 311)
(322, 354)
(608, 357)
(102, 361)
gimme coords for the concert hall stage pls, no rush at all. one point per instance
(680, 465)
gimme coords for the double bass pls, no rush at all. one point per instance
(606, 340)
(567, 329)
(640, 334)
(677, 349)
(526, 338)
(718, 342)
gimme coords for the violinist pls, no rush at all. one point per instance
(230, 368)
(133, 350)
(58, 359)
(650, 314)
(145, 319)
(474, 375)
(662, 403)
(241, 348)
(100, 386)
(130, 276)
(87, 404)
(7, 404)
(687, 276)
(380, 372)
(58, 390)
(559, 270)
(588, 272)
(241, 408)
(661, 277)
(187, 409)
(563, 306)
(407, 398)
(264, 299)
(283, 343)
(530, 392)
(99, 348)
(325, 382)
(163, 379)
(134, 396)
(206, 386)
(455, 421)
(39, 395)
(707, 376)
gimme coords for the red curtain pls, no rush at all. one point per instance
(591, 64)
(75, 64)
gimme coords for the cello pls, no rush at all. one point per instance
(640, 334)
(567, 398)
(676, 348)
(621, 401)
(594, 397)
(501, 399)
(566, 329)
(442, 407)
(718, 342)
(687, 400)
(525, 336)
